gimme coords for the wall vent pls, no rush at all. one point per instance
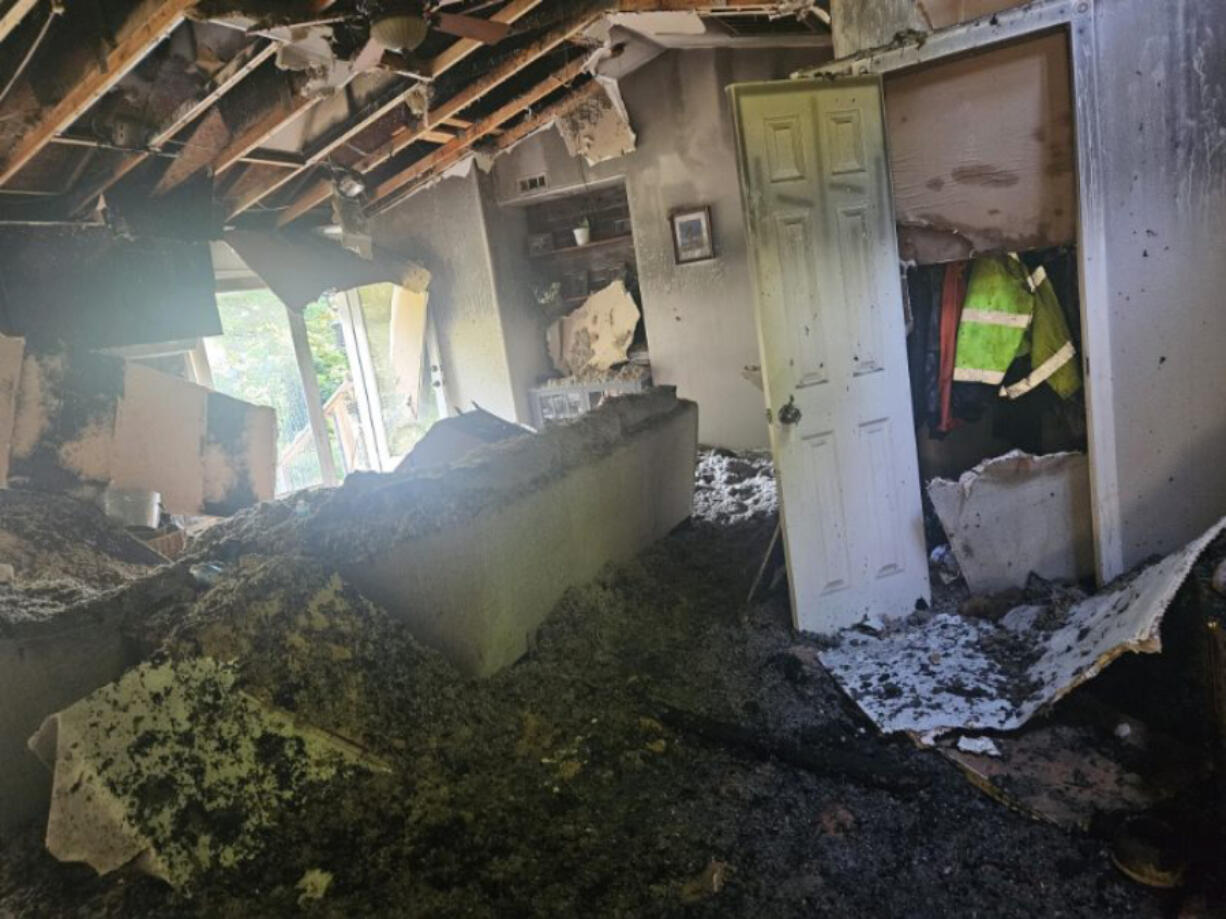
(532, 183)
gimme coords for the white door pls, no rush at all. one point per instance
(815, 182)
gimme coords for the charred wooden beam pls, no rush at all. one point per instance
(443, 112)
(226, 79)
(438, 65)
(145, 28)
(399, 186)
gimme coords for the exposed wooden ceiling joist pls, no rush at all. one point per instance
(440, 64)
(455, 150)
(445, 111)
(149, 23)
(235, 70)
(14, 16)
(697, 6)
(505, 141)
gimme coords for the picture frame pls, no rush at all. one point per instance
(693, 240)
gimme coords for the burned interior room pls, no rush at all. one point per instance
(612, 458)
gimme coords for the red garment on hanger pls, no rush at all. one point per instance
(953, 293)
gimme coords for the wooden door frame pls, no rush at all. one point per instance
(1077, 19)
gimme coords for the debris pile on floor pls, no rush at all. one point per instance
(176, 770)
(947, 672)
(661, 749)
(55, 551)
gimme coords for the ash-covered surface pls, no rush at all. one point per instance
(945, 671)
(46, 536)
(356, 522)
(732, 487)
(620, 770)
(62, 551)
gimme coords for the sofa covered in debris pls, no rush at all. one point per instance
(300, 624)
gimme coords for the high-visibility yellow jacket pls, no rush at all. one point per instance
(1009, 312)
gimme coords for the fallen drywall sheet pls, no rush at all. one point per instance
(134, 761)
(239, 456)
(1019, 513)
(11, 351)
(65, 419)
(955, 673)
(597, 335)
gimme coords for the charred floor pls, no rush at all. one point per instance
(599, 776)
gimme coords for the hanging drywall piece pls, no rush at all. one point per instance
(598, 129)
(407, 349)
(597, 335)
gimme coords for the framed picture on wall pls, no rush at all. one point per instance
(692, 240)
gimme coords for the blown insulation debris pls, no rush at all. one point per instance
(175, 767)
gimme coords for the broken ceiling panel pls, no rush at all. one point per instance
(299, 267)
(599, 128)
(661, 23)
(957, 673)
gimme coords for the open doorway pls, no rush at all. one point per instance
(984, 186)
(825, 167)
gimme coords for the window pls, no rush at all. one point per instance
(254, 360)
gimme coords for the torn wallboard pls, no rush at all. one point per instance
(598, 129)
(685, 22)
(1019, 513)
(597, 335)
(981, 152)
(84, 421)
(956, 673)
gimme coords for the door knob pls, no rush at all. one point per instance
(789, 414)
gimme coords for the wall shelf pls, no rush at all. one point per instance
(594, 244)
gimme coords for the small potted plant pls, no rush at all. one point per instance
(583, 233)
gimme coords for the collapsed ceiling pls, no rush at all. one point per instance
(182, 117)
